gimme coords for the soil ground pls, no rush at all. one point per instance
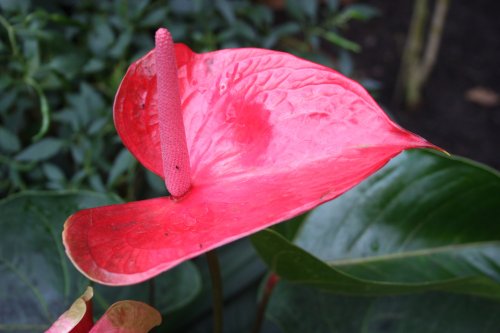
(469, 58)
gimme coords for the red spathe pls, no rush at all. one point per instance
(269, 136)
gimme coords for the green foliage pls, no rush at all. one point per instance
(297, 309)
(425, 222)
(39, 282)
(61, 63)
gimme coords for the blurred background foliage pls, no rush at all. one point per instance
(62, 61)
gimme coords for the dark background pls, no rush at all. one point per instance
(469, 57)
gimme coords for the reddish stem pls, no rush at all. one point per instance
(271, 282)
(175, 156)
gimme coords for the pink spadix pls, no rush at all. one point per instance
(174, 152)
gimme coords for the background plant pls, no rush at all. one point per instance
(436, 225)
(62, 63)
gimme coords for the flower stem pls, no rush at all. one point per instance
(152, 292)
(261, 309)
(217, 297)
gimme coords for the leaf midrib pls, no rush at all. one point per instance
(409, 254)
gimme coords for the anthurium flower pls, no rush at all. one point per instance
(269, 136)
(121, 317)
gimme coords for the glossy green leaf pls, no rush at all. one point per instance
(172, 290)
(290, 228)
(423, 222)
(39, 282)
(298, 309)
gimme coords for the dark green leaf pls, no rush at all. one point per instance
(14, 5)
(101, 37)
(298, 309)
(336, 39)
(290, 228)
(41, 150)
(53, 172)
(423, 222)
(333, 5)
(279, 32)
(97, 125)
(260, 15)
(173, 290)
(121, 164)
(8, 141)
(301, 9)
(8, 98)
(93, 65)
(68, 64)
(156, 183)
(96, 183)
(121, 44)
(360, 12)
(182, 7)
(85, 106)
(38, 281)
(226, 9)
(154, 19)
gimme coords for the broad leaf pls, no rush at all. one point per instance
(173, 290)
(39, 282)
(270, 136)
(423, 222)
(298, 309)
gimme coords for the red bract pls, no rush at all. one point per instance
(78, 319)
(269, 136)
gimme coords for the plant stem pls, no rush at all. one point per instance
(11, 34)
(411, 55)
(44, 108)
(417, 63)
(217, 297)
(414, 76)
(152, 291)
(261, 309)
(435, 36)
